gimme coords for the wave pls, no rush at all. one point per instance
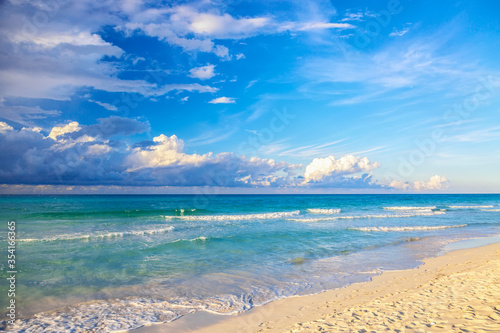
(315, 219)
(368, 216)
(490, 210)
(470, 207)
(262, 216)
(409, 208)
(99, 236)
(101, 214)
(323, 211)
(416, 228)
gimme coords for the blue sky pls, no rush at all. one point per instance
(249, 97)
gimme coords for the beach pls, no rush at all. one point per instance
(455, 292)
(119, 263)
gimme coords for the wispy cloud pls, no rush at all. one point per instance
(107, 106)
(223, 100)
(399, 33)
(311, 150)
(481, 135)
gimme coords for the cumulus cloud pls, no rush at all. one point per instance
(4, 127)
(61, 130)
(203, 73)
(223, 100)
(76, 154)
(340, 173)
(164, 151)
(321, 169)
(164, 161)
(436, 182)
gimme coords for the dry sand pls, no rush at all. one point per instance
(456, 292)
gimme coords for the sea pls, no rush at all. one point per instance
(103, 263)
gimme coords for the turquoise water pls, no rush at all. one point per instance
(119, 262)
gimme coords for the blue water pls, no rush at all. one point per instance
(120, 262)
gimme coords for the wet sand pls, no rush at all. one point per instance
(456, 292)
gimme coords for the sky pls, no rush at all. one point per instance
(216, 97)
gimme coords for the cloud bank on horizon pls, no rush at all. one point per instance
(388, 96)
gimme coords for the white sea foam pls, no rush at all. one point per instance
(315, 219)
(368, 216)
(263, 216)
(323, 211)
(416, 228)
(406, 208)
(490, 210)
(409, 214)
(100, 235)
(202, 238)
(470, 207)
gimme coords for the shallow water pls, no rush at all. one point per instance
(121, 262)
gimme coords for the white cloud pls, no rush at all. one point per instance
(321, 169)
(421, 65)
(107, 106)
(398, 33)
(317, 26)
(194, 29)
(223, 100)
(436, 182)
(203, 73)
(224, 26)
(26, 115)
(165, 161)
(98, 149)
(55, 60)
(61, 130)
(353, 17)
(4, 127)
(166, 151)
(184, 87)
(400, 185)
(51, 39)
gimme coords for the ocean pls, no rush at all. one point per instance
(112, 262)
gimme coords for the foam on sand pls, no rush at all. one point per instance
(415, 228)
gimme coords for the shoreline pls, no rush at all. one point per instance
(393, 299)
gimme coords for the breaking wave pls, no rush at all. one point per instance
(416, 228)
(409, 208)
(262, 216)
(100, 236)
(323, 211)
(470, 207)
